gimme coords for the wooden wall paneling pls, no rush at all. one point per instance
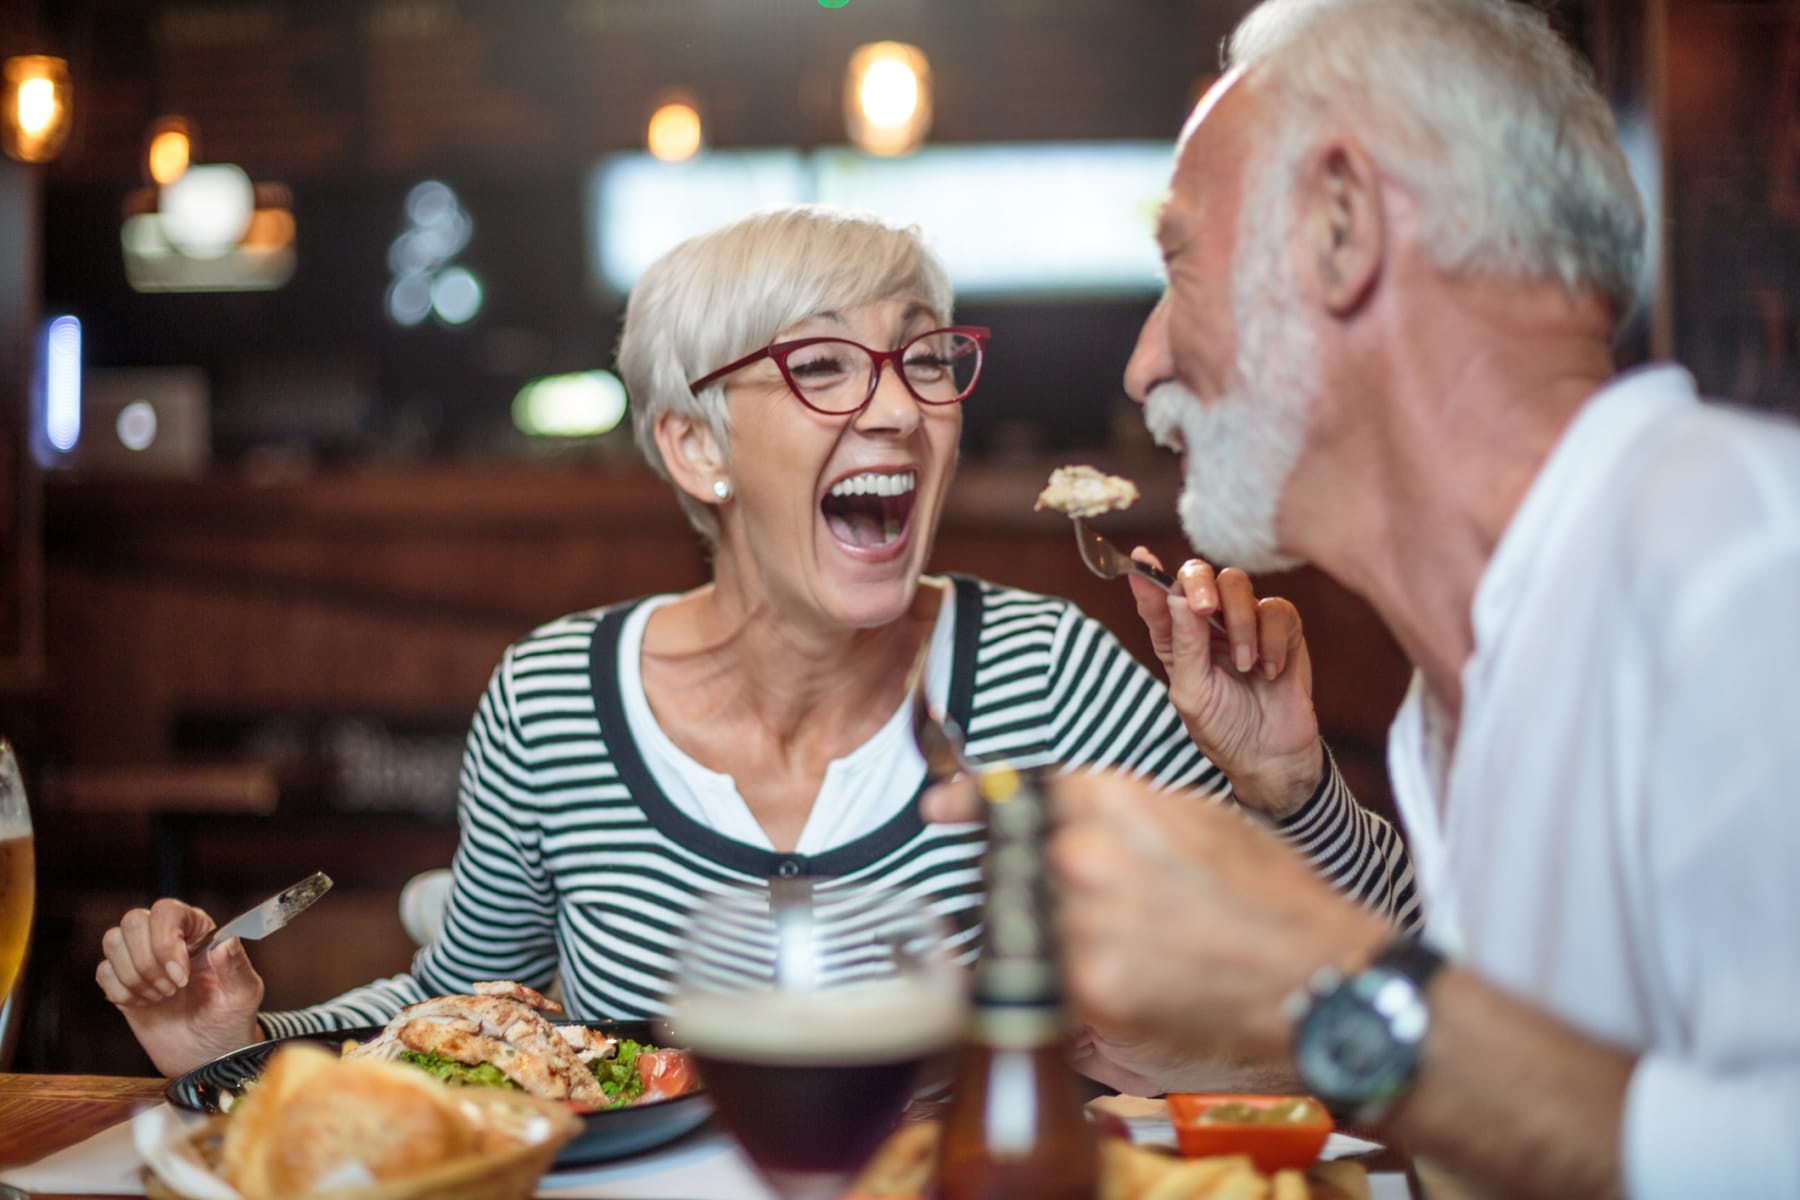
(21, 563)
(395, 594)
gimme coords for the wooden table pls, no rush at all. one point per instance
(41, 1114)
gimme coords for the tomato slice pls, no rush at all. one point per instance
(666, 1074)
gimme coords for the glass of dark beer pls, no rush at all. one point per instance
(810, 1007)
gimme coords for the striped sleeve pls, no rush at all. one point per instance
(1053, 685)
(499, 921)
(1360, 853)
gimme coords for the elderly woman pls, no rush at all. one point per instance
(797, 377)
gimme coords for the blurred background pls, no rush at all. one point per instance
(307, 309)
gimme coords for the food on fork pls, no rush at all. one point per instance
(499, 1037)
(1082, 491)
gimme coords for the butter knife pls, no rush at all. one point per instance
(270, 915)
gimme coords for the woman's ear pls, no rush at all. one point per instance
(1343, 227)
(695, 460)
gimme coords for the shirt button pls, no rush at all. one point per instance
(789, 868)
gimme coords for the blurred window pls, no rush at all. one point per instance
(1010, 220)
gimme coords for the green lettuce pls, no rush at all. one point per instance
(618, 1075)
(461, 1074)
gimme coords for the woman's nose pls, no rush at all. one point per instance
(893, 408)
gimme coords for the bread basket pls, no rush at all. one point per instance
(521, 1136)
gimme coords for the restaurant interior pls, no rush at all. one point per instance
(307, 317)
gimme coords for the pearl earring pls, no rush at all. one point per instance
(721, 489)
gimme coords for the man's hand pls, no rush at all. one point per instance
(1246, 697)
(185, 1011)
(1184, 927)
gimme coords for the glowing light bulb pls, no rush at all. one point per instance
(887, 98)
(889, 94)
(170, 152)
(34, 117)
(674, 132)
(206, 212)
(37, 106)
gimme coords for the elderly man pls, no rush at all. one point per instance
(1399, 238)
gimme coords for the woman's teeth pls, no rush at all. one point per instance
(870, 483)
(871, 508)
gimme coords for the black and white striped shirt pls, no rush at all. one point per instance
(573, 864)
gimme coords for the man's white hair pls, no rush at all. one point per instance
(1482, 113)
(718, 296)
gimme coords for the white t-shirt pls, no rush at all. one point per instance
(1620, 838)
(860, 790)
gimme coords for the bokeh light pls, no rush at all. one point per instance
(455, 296)
(136, 425)
(887, 98)
(206, 212)
(171, 151)
(580, 404)
(674, 133)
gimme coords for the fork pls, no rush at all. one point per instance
(1109, 562)
(939, 738)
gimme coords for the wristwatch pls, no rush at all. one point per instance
(1357, 1034)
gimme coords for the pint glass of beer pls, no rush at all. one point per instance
(810, 1008)
(18, 874)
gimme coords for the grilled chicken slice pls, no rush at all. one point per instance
(519, 992)
(502, 1025)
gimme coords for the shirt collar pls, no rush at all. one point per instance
(1580, 463)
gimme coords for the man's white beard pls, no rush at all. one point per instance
(1243, 446)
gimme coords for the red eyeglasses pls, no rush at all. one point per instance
(837, 377)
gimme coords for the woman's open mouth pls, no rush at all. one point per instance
(870, 509)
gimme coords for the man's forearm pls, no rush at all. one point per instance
(1509, 1097)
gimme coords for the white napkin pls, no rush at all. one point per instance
(705, 1163)
(162, 1140)
(106, 1164)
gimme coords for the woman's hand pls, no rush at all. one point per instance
(185, 1011)
(1245, 696)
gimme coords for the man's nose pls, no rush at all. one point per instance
(1151, 362)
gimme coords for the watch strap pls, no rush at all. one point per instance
(1408, 955)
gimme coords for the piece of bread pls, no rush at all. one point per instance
(311, 1120)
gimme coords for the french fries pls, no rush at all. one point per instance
(904, 1163)
(903, 1167)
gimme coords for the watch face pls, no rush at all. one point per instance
(1347, 1052)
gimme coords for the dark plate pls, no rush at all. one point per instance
(613, 1133)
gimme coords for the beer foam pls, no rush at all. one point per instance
(860, 1023)
(14, 827)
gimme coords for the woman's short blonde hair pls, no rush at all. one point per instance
(718, 296)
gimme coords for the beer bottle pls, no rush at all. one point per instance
(1015, 1129)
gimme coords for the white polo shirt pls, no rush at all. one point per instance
(1619, 838)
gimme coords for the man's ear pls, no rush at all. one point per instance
(1343, 227)
(693, 455)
